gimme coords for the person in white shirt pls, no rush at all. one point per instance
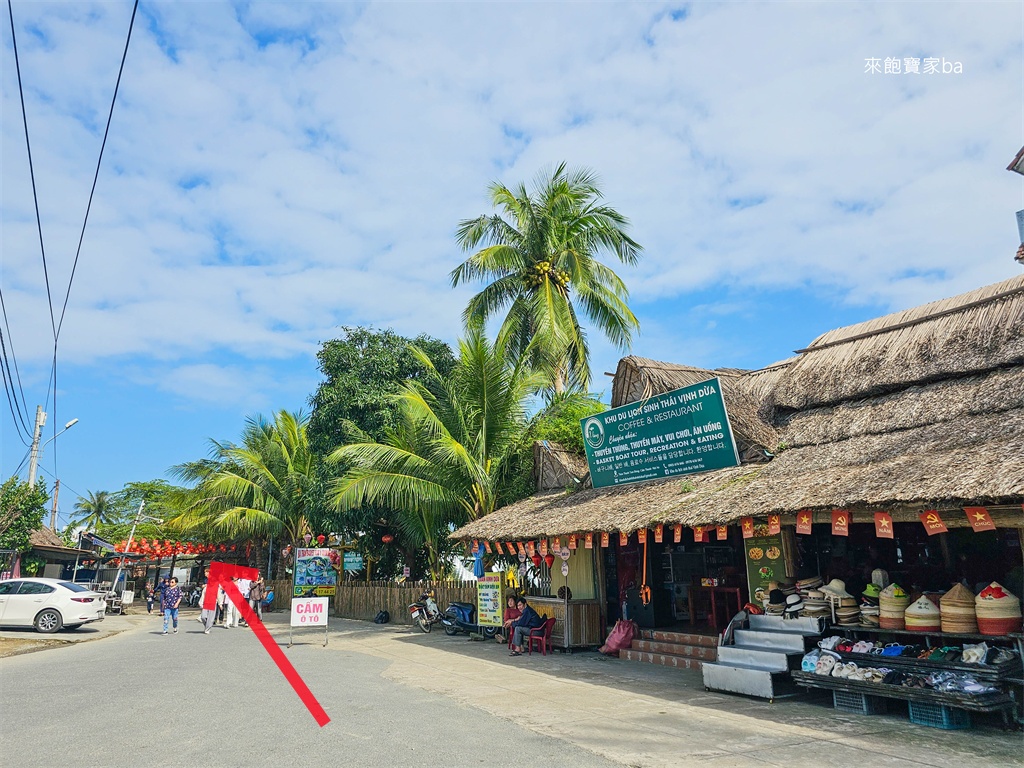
(244, 586)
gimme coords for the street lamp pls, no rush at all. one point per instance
(128, 547)
(37, 449)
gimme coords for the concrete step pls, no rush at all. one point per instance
(692, 651)
(776, 661)
(664, 659)
(762, 638)
(679, 638)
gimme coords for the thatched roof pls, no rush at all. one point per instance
(556, 467)
(44, 537)
(971, 333)
(918, 409)
(638, 378)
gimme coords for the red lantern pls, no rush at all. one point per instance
(223, 548)
(537, 560)
(549, 559)
(321, 539)
(387, 538)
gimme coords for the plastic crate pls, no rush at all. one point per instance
(859, 703)
(939, 716)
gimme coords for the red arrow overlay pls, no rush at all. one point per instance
(220, 576)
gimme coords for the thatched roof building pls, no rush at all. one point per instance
(915, 410)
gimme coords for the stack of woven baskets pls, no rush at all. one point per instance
(923, 616)
(892, 605)
(998, 611)
(958, 611)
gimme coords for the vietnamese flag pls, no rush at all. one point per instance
(840, 522)
(698, 533)
(497, 545)
(747, 525)
(722, 532)
(932, 522)
(588, 541)
(543, 547)
(980, 519)
(804, 521)
(659, 533)
(883, 525)
(623, 538)
(774, 524)
(521, 548)
(531, 548)
(487, 547)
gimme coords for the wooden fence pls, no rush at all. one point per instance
(362, 600)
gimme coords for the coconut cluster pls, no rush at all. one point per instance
(542, 271)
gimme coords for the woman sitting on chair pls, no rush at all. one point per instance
(528, 619)
(512, 613)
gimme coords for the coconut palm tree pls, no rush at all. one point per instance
(256, 489)
(540, 259)
(97, 508)
(444, 464)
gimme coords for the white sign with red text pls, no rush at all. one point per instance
(309, 611)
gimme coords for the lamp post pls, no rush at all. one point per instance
(37, 449)
(128, 547)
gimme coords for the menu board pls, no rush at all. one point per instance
(488, 600)
(314, 574)
(765, 562)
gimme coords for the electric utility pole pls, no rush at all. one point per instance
(33, 462)
(53, 514)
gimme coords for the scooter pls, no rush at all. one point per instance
(425, 611)
(461, 617)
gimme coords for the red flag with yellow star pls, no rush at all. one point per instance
(804, 521)
(980, 519)
(883, 525)
(747, 525)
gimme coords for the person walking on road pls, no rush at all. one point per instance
(207, 617)
(257, 592)
(230, 611)
(150, 595)
(169, 603)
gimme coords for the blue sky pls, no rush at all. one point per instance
(277, 170)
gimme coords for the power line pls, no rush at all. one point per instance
(31, 167)
(99, 160)
(23, 410)
(12, 400)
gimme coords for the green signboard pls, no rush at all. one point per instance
(677, 433)
(314, 574)
(765, 563)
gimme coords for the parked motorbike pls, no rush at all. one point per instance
(425, 611)
(461, 617)
(193, 596)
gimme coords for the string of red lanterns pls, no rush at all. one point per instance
(166, 548)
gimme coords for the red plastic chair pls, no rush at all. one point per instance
(542, 637)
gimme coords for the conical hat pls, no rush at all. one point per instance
(959, 594)
(922, 607)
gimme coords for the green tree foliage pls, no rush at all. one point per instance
(362, 370)
(254, 490)
(21, 511)
(540, 262)
(94, 511)
(444, 463)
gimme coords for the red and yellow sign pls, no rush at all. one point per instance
(522, 549)
(774, 524)
(604, 539)
(747, 526)
(698, 533)
(476, 546)
(487, 547)
(659, 533)
(543, 547)
(588, 541)
(804, 521)
(623, 538)
(722, 532)
(531, 548)
(642, 535)
(840, 522)
(980, 519)
(932, 522)
(883, 525)
(572, 541)
(677, 533)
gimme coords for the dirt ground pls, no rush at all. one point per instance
(12, 646)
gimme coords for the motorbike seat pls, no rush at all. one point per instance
(467, 606)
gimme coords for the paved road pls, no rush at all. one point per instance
(217, 700)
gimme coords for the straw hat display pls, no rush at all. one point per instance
(892, 605)
(958, 611)
(815, 604)
(998, 610)
(923, 616)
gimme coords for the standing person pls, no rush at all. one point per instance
(528, 619)
(230, 611)
(150, 594)
(243, 586)
(257, 592)
(207, 616)
(169, 604)
(222, 606)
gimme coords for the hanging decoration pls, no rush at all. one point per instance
(645, 591)
(840, 522)
(588, 541)
(980, 519)
(677, 533)
(497, 545)
(549, 560)
(623, 538)
(698, 533)
(642, 536)
(659, 533)
(543, 547)
(487, 547)
(536, 560)
(932, 522)
(774, 524)
(722, 532)
(804, 521)
(883, 525)
(572, 541)
(604, 539)
(531, 549)
(747, 526)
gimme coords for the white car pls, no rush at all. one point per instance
(48, 604)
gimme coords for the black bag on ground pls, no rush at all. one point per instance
(382, 617)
